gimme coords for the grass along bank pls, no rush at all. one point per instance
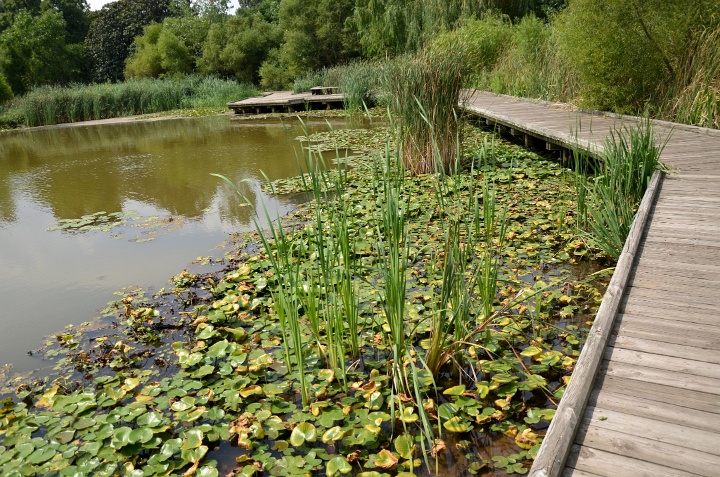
(394, 313)
(55, 105)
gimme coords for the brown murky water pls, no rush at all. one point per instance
(155, 173)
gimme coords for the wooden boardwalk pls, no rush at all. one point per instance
(286, 101)
(644, 399)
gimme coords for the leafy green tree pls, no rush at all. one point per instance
(239, 46)
(317, 34)
(10, 8)
(33, 52)
(75, 14)
(397, 26)
(625, 52)
(112, 31)
(168, 48)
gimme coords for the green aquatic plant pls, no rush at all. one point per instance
(630, 157)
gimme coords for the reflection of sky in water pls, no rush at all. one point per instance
(49, 279)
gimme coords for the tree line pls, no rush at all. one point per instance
(268, 42)
(656, 56)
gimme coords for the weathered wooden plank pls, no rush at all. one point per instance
(686, 398)
(670, 296)
(638, 447)
(646, 406)
(666, 378)
(661, 361)
(578, 473)
(663, 337)
(677, 264)
(655, 430)
(556, 446)
(649, 308)
(668, 349)
(608, 464)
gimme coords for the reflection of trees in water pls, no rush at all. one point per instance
(164, 163)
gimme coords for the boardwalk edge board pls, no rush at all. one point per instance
(558, 440)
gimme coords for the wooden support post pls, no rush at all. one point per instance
(528, 140)
(489, 122)
(552, 147)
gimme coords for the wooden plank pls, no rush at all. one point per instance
(669, 296)
(655, 429)
(577, 473)
(699, 297)
(685, 398)
(666, 378)
(642, 449)
(608, 464)
(662, 361)
(558, 440)
(645, 406)
(710, 356)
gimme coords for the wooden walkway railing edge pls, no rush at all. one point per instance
(558, 440)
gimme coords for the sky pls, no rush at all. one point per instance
(97, 4)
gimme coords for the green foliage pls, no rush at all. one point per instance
(694, 96)
(317, 35)
(75, 13)
(6, 93)
(53, 105)
(389, 27)
(33, 52)
(238, 46)
(626, 53)
(425, 90)
(112, 31)
(630, 157)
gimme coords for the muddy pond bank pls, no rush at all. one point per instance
(226, 396)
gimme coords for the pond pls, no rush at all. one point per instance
(156, 206)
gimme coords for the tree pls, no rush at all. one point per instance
(397, 26)
(112, 31)
(33, 52)
(317, 34)
(625, 52)
(168, 48)
(239, 46)
(75, 14)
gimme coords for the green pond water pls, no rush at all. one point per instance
(152, 181)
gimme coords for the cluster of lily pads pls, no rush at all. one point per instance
(120, 223)
(287, 371)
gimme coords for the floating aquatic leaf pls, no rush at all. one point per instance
(303, 432)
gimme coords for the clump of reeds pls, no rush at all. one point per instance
(302, 84)
(693, 96)
(425, 90)
(54, 105)
(629, 159)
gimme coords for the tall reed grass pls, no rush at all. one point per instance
(425, 91)
(55, 105)
(693, 96)
(630, 157)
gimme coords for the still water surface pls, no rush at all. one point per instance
(158, 173)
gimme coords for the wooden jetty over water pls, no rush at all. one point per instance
(319, 97)
(644, 398)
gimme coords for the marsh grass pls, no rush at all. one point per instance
(54, 105)
(425, 88)
(630, 157)
(693, 96)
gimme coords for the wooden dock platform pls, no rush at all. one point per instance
(320, 97)
(644, 398)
